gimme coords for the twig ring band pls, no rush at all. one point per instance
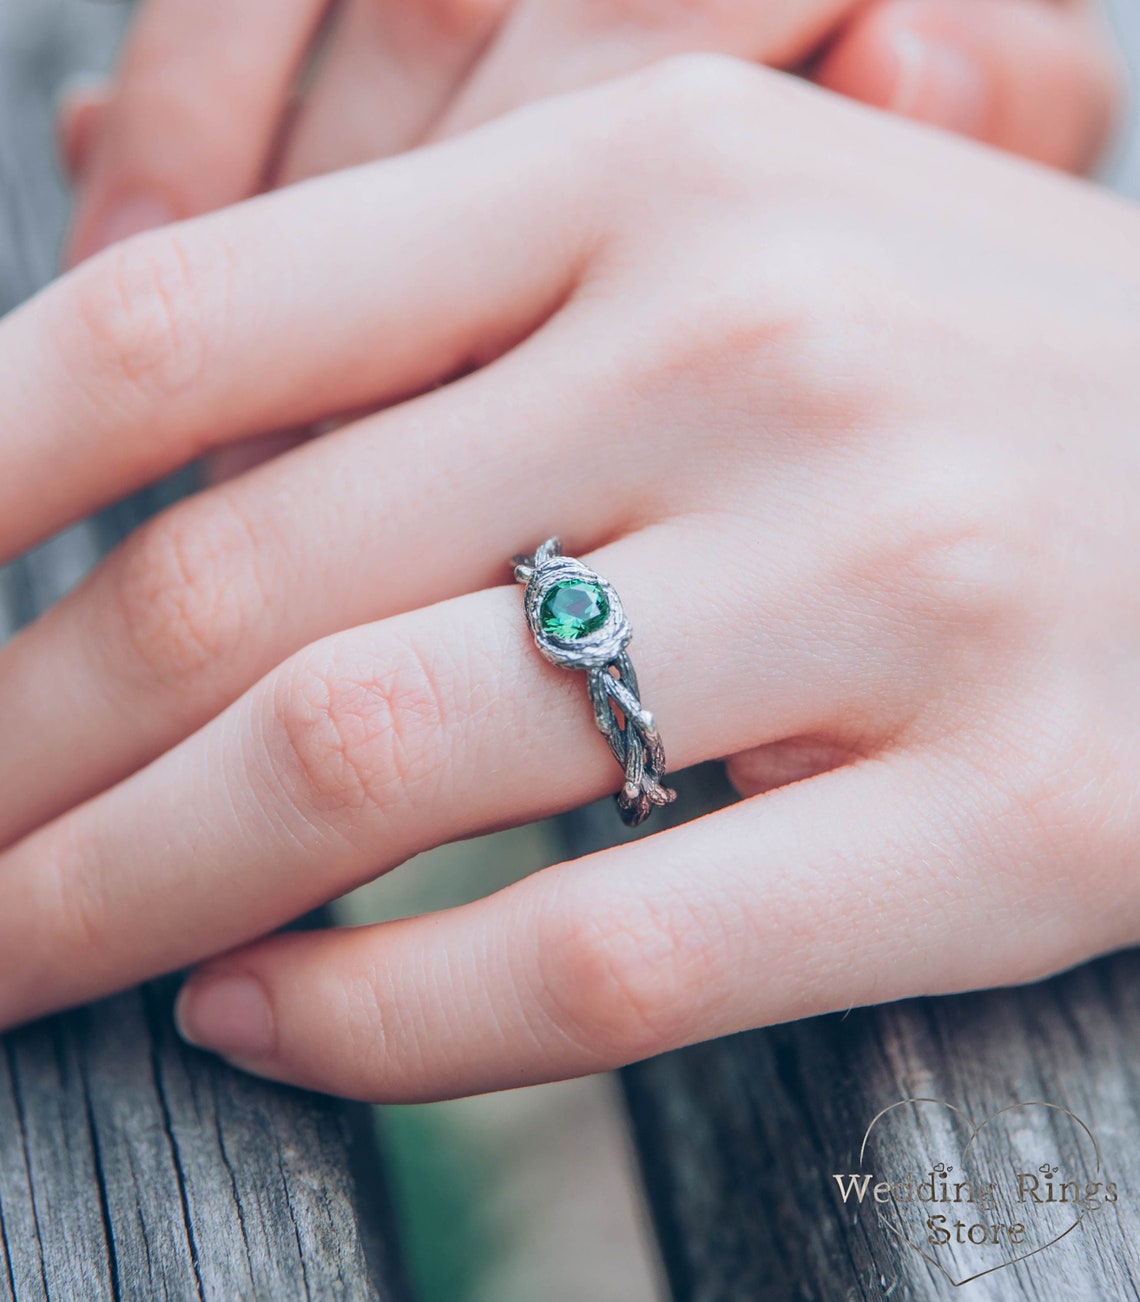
(577, 621)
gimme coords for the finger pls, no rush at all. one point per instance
(861, 886)
(545, 48)
(201, 602)
(1037, 79)
(387, 75)
(241, 322)
(380, 742)
(78, 121)
(196, 106)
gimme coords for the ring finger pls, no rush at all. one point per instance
(370, 746)
(372, 520)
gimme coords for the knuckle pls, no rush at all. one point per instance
(615, 978)
(959, 558)
(150, 312)
(352, 732)
(701, 107)
(697, 129)
(187, 594)
(947, 554)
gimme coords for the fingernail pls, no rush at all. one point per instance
(940, 84)
(120, 221)
(229, 1015)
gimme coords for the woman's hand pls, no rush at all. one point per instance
(203, 112)
(846, 411)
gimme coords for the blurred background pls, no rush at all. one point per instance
(505, 1198)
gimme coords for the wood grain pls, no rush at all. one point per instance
(740, 1139)
(134, 1167)
(131, 1166)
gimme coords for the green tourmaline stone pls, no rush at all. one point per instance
(573, 609)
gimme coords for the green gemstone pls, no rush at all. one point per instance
(573, 609)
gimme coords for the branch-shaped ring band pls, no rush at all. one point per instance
(578, 623)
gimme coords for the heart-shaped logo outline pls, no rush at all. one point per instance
(975, 1130)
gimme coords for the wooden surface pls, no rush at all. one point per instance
(740, 1140)
(131, 1166)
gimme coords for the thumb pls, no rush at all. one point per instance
(1038, 77)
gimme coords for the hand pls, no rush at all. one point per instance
(847, 413)
(202, 113)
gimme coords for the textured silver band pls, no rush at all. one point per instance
(601, 653)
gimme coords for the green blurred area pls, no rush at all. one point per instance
(532, 1193)
(521, 1195)
(439, 1173)
(439, 1163)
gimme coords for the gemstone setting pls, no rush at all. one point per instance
(572, 609)
(577, 622)
(576, 617)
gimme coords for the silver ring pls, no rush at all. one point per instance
(578, 623)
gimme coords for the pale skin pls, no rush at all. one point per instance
(1038, 77)
(206, 109)
(846, 410)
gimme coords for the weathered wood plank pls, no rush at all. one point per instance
(130, 1165)
(134, 1167)
(740, 1140)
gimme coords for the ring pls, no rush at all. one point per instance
(578, 623)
